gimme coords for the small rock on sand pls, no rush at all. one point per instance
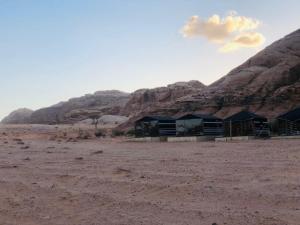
(97, 152)
(79, 158)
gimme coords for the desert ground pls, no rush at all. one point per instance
(49, 176)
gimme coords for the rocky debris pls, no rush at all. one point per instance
(8, 166)
(20, 143)
(111, 120)
(71, 140)
(97, 152)
(82, 134)
(79, 158)
(120, 170)
(17, 139)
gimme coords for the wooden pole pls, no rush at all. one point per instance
(230, 128)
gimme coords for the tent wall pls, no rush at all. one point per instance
(213, 128)
(253, 127)
(167, 128)
(199, 127)
(189, 127)
(146, 129)
(286, 127)
(155, 128)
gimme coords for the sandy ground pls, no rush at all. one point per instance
(48, 178)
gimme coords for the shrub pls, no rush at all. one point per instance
(130, 132)
(116, 133)
(99, 133)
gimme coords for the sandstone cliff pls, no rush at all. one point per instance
(77, 109)
(268, 83)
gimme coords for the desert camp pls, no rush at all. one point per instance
(150, 112)
(241, 124)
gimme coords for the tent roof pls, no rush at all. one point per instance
(159, 118)
(200, 116)
(292, 115)
(244, 115)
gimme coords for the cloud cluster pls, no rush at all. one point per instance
(232, 32)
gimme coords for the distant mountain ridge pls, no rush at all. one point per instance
(267, 83)
(20, 116)
(81, 108)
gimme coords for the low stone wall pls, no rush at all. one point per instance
(238, 138)
(148, 139)
(173, 139)
(285, 137)
(191, 139)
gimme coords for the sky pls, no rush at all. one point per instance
(53, 50)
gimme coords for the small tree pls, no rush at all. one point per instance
(98, 132)
(95, 119)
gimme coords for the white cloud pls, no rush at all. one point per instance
(232, 32)
(246, 40)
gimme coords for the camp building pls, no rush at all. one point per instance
(289, 123)
(155, 126)
(246, 123)
(199, 125)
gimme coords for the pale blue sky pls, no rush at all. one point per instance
(53, 50)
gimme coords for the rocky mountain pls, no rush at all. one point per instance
(146, 100)
(77, 109)
(268, 83)
(20, 116)
(113, 103)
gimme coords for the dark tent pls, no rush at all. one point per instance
(199, 125)
(289, 123)
(246, 123)
(155, 126)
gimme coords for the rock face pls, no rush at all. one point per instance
(20, 116)
(78, 109)
(111, 120)
(144, 101)
(268, 84)
(114, 103)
